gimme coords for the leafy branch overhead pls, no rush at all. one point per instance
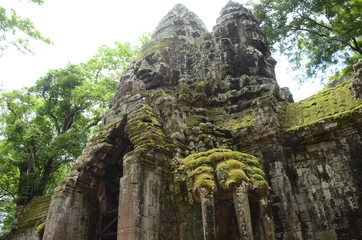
(17, 32)
(315, 33)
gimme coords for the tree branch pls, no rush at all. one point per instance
(49, 100)
(68, 121)
(347, 44)
(97, 74)
(315, 22)
(92, 124)
(7, 192)
(356, 47)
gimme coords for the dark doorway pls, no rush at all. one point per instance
(225, 219)
(257, 224)
(108, 196)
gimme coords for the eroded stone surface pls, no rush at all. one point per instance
(356, 84)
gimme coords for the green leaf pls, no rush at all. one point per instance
(313, 34)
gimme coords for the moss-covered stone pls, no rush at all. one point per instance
(334, 104)
(228, 167)
(41, 227)
(36, 210)
(201, 169)
(144, 129)
(204, 180)
(153, 47)
(103, 134)
(193, 94)
(234, 122)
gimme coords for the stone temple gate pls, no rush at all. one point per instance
(200, 142)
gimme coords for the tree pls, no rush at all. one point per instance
(8, 175)
(313, 33)
(16, 31)
(110, 62)
(44, 128)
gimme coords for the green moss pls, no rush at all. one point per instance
(334, 104)
(193, 94)
(203, 136)
(235, 176)
(231, 164)
(34, 211)
(256, 170)
(193, 120)
(144, 129)
(235, 172)
(233, 122)
(200, 170)
(41, 226)
(194, 163)
(205, 180)
(103, 134)
(256, 177)
(153, 47)
(251, 161)
(261, 187)
(216, 156)
(200, 85)
(214, 111)
(234, 166)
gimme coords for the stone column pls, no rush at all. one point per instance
(208, 213)
(139, 199)
(242, 208)
(130, 201)
(267, 222)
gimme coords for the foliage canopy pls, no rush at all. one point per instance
(317, 33)
(16, 31)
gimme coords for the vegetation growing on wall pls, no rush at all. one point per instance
(335, 103)
(144, 129)
(34, 212)
(222, 168)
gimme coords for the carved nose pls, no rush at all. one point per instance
(143, 73)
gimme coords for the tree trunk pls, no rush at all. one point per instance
(43, 182)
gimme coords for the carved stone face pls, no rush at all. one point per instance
(160, 67)
(153, 70)
(244, 47)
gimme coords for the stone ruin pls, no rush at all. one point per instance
(200, 142)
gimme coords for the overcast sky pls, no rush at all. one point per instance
(79, 27)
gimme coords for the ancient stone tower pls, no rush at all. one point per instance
(200, 142)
